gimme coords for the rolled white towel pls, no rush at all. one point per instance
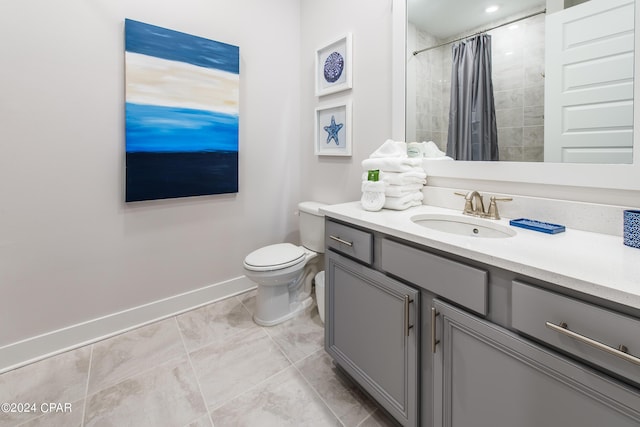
(401, 190)
(432, 152)
(413, 176)
(390, 148)
(391, 164)
(402, 203)
(430, 149)
(373, 186)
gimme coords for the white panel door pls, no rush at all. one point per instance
(589, 83)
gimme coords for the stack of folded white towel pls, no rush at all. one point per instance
(403, 176)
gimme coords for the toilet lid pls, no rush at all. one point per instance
(274, 257)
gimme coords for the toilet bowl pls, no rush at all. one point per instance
(284, 272)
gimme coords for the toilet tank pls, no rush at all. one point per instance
(311, 226)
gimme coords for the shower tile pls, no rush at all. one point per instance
(300, 336)
(508, 58)
(423, 105)
(534, 72)
(424, 122)
(533, 136)
(436, 122)
(345, 399)
(510, 137)
(509, 118)
(423, 136)
(511, 154)
(133, 352)
(283, 400)
(512, 98)
(533, 154)
(165, 396)
(59, 379)
(511, 78)
(534, 95)
(214, 322)
(234, 364)
(534, 116)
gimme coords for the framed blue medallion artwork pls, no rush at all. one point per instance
(333, 66)
(182, 114)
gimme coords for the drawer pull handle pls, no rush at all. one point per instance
(339, 240)
(434, 341)
(407, 326)
(563, 329)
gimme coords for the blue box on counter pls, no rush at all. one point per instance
(532, 224)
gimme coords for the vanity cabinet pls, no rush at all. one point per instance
(485, 375)
(372, 330)
(439, 339)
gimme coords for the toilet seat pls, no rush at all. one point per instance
(274, 257)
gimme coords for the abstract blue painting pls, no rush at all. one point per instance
(182, 111)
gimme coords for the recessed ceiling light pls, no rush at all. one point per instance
(491, 9)
(513, 27)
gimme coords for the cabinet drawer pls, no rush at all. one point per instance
(536, 311)
(355, 243)
(457, 282)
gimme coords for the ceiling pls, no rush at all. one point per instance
(447, 18)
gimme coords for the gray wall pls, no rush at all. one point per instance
(71, 250)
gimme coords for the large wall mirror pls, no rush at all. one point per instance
(558, 78)
(563, 86)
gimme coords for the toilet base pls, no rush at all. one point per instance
(295, 308)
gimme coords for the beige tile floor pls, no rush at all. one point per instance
(209, 366)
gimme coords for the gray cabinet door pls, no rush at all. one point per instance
(487, 376)
(371, 330)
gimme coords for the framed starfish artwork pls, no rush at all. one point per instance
(333, 130)
(333, 66)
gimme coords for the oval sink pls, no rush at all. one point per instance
(464, 226)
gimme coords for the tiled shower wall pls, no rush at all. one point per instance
(518, 83)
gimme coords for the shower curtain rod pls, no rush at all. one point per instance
(415, 52)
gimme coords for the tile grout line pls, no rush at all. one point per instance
(86, 390)
(195, 374)
(137, 374)
(226, 402)
(314, 389)
(199, 347)
(265, 379)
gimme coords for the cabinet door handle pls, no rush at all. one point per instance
(563, 329)
(434, 341)
(407, 326)
(339, 240)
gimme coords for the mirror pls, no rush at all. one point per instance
(562, 80)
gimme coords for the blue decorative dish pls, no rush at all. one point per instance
(532, 224)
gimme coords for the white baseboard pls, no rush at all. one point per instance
(36, 348)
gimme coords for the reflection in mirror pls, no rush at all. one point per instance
(560, 80)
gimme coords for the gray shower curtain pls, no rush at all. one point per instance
(473, 134)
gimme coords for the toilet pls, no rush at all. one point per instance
(284, 272)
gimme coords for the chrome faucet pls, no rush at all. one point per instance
(474, 205)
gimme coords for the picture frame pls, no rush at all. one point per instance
(333, 129)
(333, 66)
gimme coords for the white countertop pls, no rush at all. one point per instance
(591, 263)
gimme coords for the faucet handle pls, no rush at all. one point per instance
(468, 204)
(492, 212)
